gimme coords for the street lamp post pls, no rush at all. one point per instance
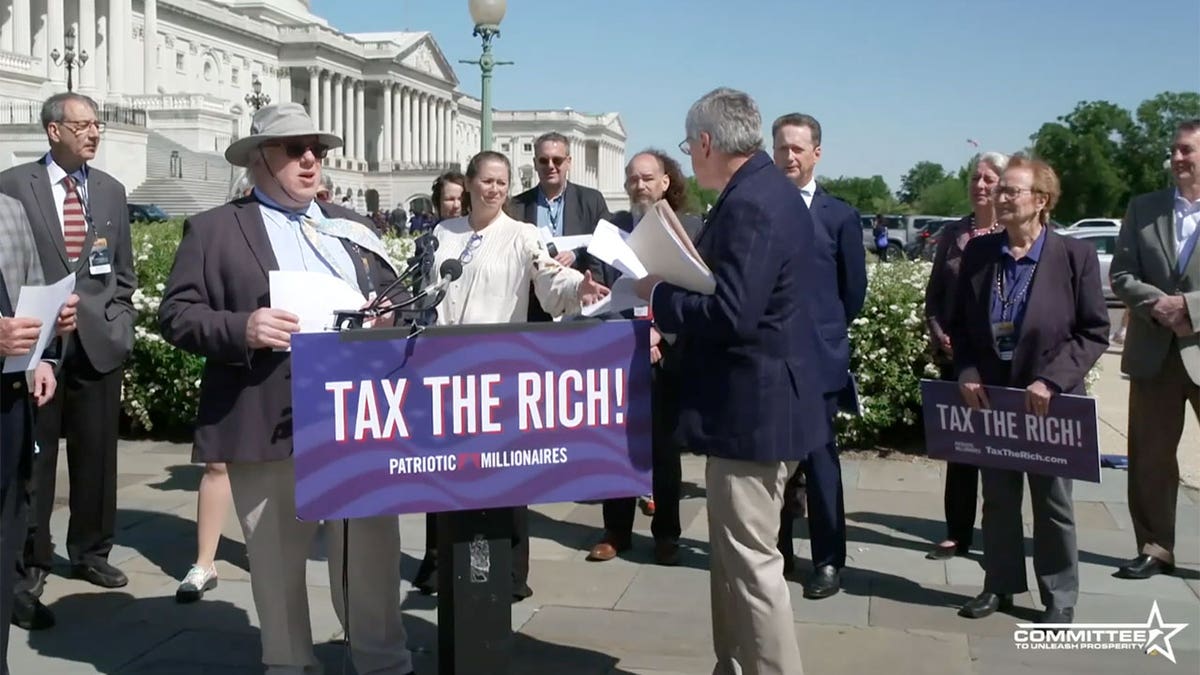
(487, 15)
(257, 99)
(69, 57)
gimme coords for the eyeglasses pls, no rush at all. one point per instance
(81, 126)
(1010, 191)
(296, 149)
(546, 161)
(468, 253)
(685, 146)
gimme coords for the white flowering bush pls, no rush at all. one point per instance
(889, 354)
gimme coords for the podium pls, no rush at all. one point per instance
(466, 422)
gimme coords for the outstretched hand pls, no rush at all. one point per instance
(590, 290)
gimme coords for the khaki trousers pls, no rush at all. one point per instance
(1157, 406)
(754, 631)
(264, 496)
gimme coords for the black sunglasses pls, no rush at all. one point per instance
(296, 149)
(545, 161)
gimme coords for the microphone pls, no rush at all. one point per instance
(450, 271)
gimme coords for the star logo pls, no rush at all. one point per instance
(1160, 637)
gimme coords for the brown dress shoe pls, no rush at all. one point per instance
(608, 548)
(666, 553)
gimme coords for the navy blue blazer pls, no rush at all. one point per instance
(839, 298)
(1065, 328)
(748, 351)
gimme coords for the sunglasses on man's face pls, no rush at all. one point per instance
(546, 161)
(296, 149)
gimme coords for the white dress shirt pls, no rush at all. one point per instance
(56, 174)
(1187, 219)
(809, 191)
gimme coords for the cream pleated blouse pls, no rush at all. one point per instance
(498, 266)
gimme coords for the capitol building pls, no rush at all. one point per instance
(172, 77)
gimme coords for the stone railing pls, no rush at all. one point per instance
(11, 61)
(30, 112)
(177, 102)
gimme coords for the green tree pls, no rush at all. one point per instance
(868, 195)
(947, 197)
(918, 178)
(699, 200)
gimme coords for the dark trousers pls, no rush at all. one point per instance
(520, 549)
(86, 409)
(822, 470)
(667, 472)
(12, 535)
(1055, 554)
(959, 499)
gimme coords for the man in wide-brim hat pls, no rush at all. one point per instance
(217, 304)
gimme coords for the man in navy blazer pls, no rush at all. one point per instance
(746, 352)
(797, 140)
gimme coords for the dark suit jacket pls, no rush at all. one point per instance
(842, 257)
(220, 276)
(1065, 328)
(583, 207)
(747, 351)
(105, 313)
(16, 420)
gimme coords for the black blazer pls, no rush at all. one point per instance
(1065, 329)
(220, 276)
(583, 207)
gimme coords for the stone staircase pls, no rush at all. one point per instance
(198, 180)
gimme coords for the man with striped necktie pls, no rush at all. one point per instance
(80, 224)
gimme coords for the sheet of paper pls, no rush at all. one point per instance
(313, 297)
(610, 244)
(661, 244)
(42, 303)
(620, 298)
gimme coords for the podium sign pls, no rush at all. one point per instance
(469, 417)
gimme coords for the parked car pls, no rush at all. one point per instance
(902, 231)
(147, 213)
(1105, 241)
(1095, 222)
(925, 244)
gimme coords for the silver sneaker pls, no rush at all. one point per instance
(197, 581)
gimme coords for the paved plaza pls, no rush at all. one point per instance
(896, 613)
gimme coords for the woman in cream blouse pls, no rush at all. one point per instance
(500, 257)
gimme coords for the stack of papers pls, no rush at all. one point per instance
(44, 304)
(314, 297)
(658, 245)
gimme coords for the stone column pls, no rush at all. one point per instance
(447, 134)
(8, 31)
(360, 135)
(55, 28)
(395, 123)
(406, 126)
(385, 157)
(439, 123)
(314, 95)
(284, 93)
(22, 27)
(97, 65)
(454, 155)
(339, 93)
(326, 123)
(38, 45)
(348, 137)
(85, 78)
(149, 44)
(119, 34)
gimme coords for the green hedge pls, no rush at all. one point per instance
(890, 348)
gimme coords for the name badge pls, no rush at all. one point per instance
(1005, 335)
(99, 259)
(641, 312)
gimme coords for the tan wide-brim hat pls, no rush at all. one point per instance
(282, 120)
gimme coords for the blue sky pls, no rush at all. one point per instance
(893, 82)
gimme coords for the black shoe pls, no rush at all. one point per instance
(426, 580)
(29, 612)
(521, 592)
(1058, 615)
(35, 581)
(825, 581)
(1144, 567)
(985, 604)
(100, 573)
